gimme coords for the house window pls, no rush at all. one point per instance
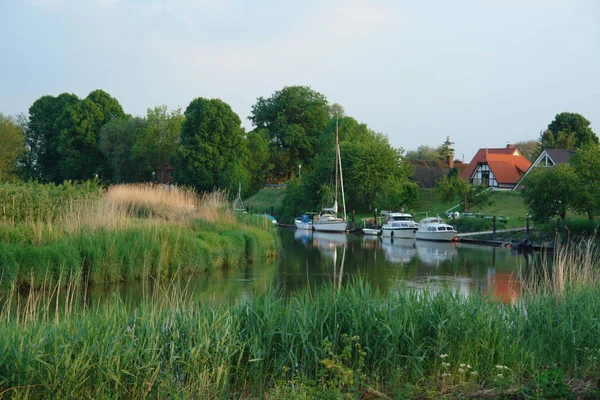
(484, 176)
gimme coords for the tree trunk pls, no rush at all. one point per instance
(590, 215)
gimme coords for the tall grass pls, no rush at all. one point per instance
(132, 232)
(338, 339)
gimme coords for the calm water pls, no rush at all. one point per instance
(313, 259)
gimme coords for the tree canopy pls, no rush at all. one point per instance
(211, 151)
(12, 147)
(294, 117)
(568, 131)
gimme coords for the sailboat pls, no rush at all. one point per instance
(328, 220)
(238, 204)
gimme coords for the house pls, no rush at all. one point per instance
(548, 158)
(497, 168)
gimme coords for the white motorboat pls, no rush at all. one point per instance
(434, 228)
(304, 221)
(398, 251)
(328, 220)
(434, 253)
(399, 225)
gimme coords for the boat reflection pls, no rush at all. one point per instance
(303, 235)
(327, 242)
(398, 251)
(433, 253)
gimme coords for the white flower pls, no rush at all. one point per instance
(461, 370)
(443, 355)
(462, 365)
(474, 373)
(468, 366)
(445, 375)
(445, 365)
(499, 375)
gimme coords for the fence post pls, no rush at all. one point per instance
(494, 229)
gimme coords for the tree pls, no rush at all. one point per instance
(12, 147)
(43, 132)
(586, 165)
(160, 139)
(211, 151)
(530, 149)
(452, 186)
(294, 117)
(568, 131)
(258, 164)
(548, 192)
(424, 152)
(117, 141)
(373, 167)
(446, 149)
(80, 155)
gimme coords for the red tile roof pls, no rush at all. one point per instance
(507, 164)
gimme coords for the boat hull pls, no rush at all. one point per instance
(370, 231)
(330, 226)
(303, 225)
(400, 233)
(440, 236)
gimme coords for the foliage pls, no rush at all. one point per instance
(424, 152)
(258, 164)
(446, 149)
(158, 142)
(294, 117)
(12, 147)
(117, 142)
(477, 224)
(452, 186)
(549, 385)
(568, 131)
(549, 192)
(313, 344)
(46, 118)
(530, 149)
(80, 155)
(586, 165)
(211, 152)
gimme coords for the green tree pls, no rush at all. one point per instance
(80, 155)
(452, 186)
(568, 131)
(212, 147)
(530, 149)
(425, 152)
(258, 164)
(12, 147)
(160, 139)
(548, 192)
(374, 167)
(294, 117)
(446, 148)
(117, 142)
(43, 132)
(586, 164)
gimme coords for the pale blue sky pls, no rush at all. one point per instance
(482, 71)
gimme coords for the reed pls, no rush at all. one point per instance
(335, 341)
(132, 232)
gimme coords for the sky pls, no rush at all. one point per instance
(483, 72)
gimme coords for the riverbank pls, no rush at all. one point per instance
(333, 343)
(130, 232)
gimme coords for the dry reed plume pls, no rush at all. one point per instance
(574, 264)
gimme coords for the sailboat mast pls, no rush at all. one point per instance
(337, 152)
(339, 156)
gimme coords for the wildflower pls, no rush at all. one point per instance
(462, 365)
(444, 375)
(499, 375)
(461, 370)
(474, 373)
(443, 355)
(468, 366)
(445, 365)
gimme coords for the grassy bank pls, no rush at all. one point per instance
(130, 232)
(333, 343)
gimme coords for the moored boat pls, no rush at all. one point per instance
(304, 221)
(434, 228)
(399, 225)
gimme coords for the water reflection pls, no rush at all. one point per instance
(433, 253)
(398, 251)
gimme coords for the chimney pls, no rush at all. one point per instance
(510, 145)
(450, 160)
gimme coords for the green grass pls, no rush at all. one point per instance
(332, 343)
(266, 201)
